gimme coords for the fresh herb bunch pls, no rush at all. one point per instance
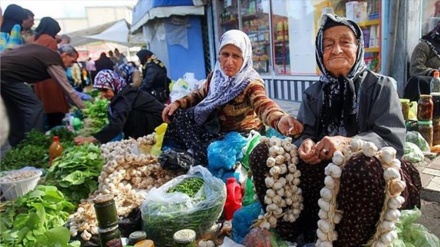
(34, 150)
(36, 219)
(75, 173)
(95, 116)
(31, 151)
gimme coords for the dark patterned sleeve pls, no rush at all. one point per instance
(419, 57)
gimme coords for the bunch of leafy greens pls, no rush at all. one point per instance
(34, 150)
(75, 173)
(412, 234)
(37, 219)
(95, 116)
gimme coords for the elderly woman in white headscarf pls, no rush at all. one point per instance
(232, 99)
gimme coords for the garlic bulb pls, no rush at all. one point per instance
(369, 149)
(391, 173)
(387, 154)
(283, 198)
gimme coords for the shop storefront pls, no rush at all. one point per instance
(283, 36)
(173, 31)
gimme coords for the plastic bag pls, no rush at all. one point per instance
(413, 153)
(165, 213)
(252, 141)
(180, 89)
(273, 132)
(259, 237)
(243, 220)
(416, 138)
(249, 192)
(159, 134)
(171, 159)
(225, 153)
(413, 234)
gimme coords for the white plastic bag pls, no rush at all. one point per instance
(164, 213)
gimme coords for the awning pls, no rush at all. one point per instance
(146, 10)
(116, 32)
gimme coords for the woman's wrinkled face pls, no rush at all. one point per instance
(107, 93)
(340, 48)
(231, 60)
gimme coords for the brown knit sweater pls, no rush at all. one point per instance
(249, 110)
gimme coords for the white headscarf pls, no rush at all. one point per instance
(223, 88)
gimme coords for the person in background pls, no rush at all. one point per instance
(120, 58)
(27, 33)
(1, 16)
(131, 111)
(74, 75)
(233, 97)
(103, 62)
(112, 57)
(4, 125)
(425, 59)
(91, 69)
(348, 102)
(10, 30)
(50, 93)
(130, 73)
(63, 39)
(32, 63)
(154, 73)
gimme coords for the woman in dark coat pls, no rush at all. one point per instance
(103, 62)
(349, 104)
(131, 111)
(154, 72)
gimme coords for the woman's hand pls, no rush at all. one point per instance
(289, 126)
(168, 111)
(329, 144)
(80, 140)
(306, 152)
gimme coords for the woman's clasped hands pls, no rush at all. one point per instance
(314, 153)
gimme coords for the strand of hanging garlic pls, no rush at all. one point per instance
(329, 214)
(283, 196)
(125, 172)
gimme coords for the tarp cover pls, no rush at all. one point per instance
(116, 32)
(146, 10)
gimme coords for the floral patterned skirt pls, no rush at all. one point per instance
(183, 134)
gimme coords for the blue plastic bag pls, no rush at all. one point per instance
(224, 154)
(243, 220)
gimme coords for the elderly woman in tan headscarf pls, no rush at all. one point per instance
(348, 103)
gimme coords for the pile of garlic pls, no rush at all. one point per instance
(124, 174)
(330, 216)
(283, 196)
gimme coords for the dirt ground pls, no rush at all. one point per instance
(431, 217)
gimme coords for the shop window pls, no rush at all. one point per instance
(283, 32)
(430, 15)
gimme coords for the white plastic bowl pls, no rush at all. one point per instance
(13, 189)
